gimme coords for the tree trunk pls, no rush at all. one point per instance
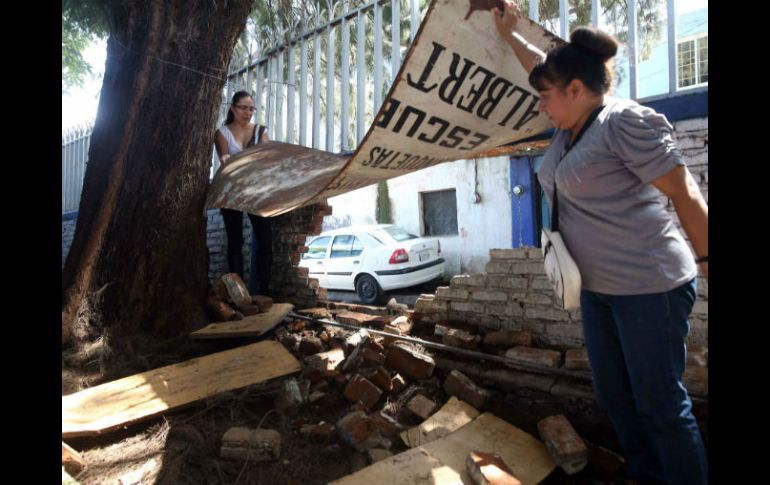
(139, 261)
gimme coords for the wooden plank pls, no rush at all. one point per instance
(442, 462)
(251, 326)
(452, 416)
(142, 396)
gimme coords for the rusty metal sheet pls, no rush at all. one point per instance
(272, 178)
(460, 94)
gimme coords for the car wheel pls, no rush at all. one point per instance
(368, 289)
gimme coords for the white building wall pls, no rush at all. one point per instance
(481, 226)
(353, 208)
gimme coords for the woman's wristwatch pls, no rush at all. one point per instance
(702, 259)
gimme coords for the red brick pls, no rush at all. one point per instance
(489, 469)
(319, 433)
(403, 324)
(460, 338)
(388, 341)
(354, 318)
(361, 389)
(409, 362)
(459, 385)
(220, 289)
(250, 309)
(317, 313)
(219, 310)
(311, 345)
(294, 258)
(71, 459)
(550, 358)
(508, 338)
(339, 379)
(375, 345)
(236, 289)
(355, 428)
(399, 384)
(372, 357)
(421, 406)
(356, 355)
(263, 302)
(388, 426)
(696, 380)
(576, 359)
(325, 360)
(303, 271)
(565, 446)
(381, 378)
(697, 356)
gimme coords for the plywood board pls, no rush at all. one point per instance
(142, 396)
(442, 462)
(251, 326)
(452, 416)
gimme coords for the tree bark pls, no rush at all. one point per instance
(139, 262)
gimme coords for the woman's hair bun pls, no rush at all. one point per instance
(594, 42)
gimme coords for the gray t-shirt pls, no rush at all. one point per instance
(611, 218)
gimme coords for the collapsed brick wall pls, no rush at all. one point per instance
(289, 282)
(514, 294)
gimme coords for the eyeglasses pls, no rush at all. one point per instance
(245, 108)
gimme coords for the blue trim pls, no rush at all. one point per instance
(682, 106)
(409, 270)
(69, 216)
(522, 174)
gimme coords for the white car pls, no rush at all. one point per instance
(372, 259)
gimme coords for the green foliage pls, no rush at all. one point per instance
(383, 211)
(81, 23)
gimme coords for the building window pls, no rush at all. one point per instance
(439, 213)
(693, 61)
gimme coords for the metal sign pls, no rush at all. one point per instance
(460, 94)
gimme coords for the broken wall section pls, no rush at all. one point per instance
(288, 282)
(514, 294)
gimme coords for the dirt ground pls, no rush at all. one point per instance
(183, 446)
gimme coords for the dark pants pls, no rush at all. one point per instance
(259, 281)
(636, 346)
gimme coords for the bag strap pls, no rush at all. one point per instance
(555, 212)
(262, 129)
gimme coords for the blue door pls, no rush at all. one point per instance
(524, 201)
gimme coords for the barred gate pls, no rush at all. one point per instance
(309, 93)
(74, 156)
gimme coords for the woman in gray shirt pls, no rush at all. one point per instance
(609, 161)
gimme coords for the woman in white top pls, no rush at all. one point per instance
(607, 165)
(238, 133)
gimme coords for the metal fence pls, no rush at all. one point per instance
(308, 92)
(74, 156)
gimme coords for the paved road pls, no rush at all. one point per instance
(406, 296)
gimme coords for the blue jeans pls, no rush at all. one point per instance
(636, 346)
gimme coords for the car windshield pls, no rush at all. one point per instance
(398, 234)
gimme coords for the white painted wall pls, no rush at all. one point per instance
(353, 208)
(481, 226)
